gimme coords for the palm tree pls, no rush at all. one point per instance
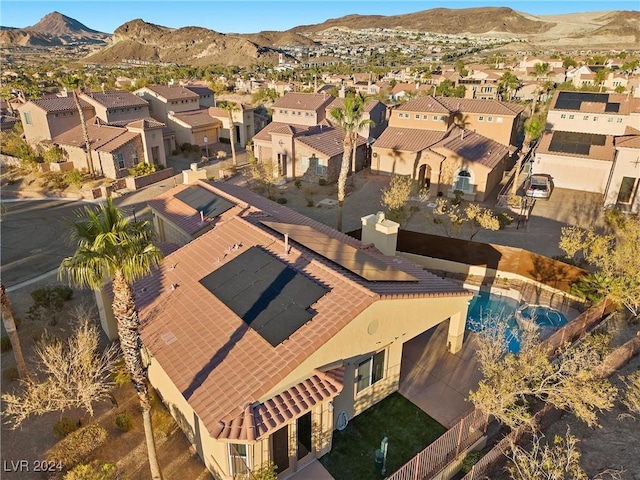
(540, 70)
(10, 326)
(71, 82)
(533, 128)
(231, 107)
(112, 247)
(509, 83)
(349, 118)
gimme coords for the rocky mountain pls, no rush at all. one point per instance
(443, 20)
(52, 30)
(139, 40)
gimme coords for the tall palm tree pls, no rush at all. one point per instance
(10, 326)
(231, 107)
(541, 71)
(349, 118)
(71, 82)
(112, 247)
(509, 83)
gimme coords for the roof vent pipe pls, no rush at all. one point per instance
(286, 244)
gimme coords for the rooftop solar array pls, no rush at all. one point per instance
(573, 101)
(576, 143)
(267, 294)
(353, 259)
(202, 200)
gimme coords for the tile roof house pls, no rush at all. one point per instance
(244, 122)
(269, 330)
(117, 105)
(301, 108)
(590, 145)
(374, 110)
(114, 149)
(49, 116)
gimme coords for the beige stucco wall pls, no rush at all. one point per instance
(45, 126)
(387, 161)
(152, 138)
(627, 164)
(574, 173)
(419, 123)
(605, 124)
(375, 329)
(168, 232)
(297, 116)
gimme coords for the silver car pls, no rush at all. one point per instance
(539, 186)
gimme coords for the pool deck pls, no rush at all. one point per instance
(437, 381)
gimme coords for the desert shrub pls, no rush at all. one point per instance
(76, 447)
(221, 154)
(48, 302)
(322, 182)
(54, 180)
(162, 421)
(10, 374)
(141, 169)
(614, 217)
(5, 343)
(124, 422)
(470, 460)
(281, 200)
(64, 427)
(504, 220)
(74, 178)
(92, 471)
(54, 155)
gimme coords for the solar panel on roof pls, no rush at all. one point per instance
(202, 200)
(576, 143)
(267, 294)
(612, 108)
(356, 261)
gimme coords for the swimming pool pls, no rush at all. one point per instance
(486, 308)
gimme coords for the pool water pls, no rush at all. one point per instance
(485, 309)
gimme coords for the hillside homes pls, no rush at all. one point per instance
(47, 117)
(295, 340)
(592, 145)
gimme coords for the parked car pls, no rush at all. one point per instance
(539, 186)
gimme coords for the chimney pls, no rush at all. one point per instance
(286, 244)
(462, 134)
(381, 232)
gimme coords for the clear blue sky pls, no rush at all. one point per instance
(241, 16)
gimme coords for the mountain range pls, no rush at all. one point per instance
(138, 39)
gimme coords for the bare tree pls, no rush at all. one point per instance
(395, 198)
(545, 461)
(569, 382)
(457, 219)
(9, 324)
(70, 374)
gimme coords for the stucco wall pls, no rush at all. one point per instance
(604, 124)
(574, 173)
(627, 164)
(375, 329)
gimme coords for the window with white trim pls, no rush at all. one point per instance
(370, 371)
(619, 120)
(489, 119)
(120, 160)
(586, 117)
(134, 157)
(595, 119)
(417, 116)
(320, 169)
(481, 118)
(27, 118)
(564, 115)
(571, 117)
(435, 117)
(238, 459)
(463, 181)
(609, 120)
(499, 119)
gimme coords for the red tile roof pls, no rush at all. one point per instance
(173, 92)
(59, 104)
(221, 365)
(339, 103)
(424, 104)
(197, 118)
(116, 99)
(145, 123)
(474, 147)
(408, 139)
(303, 101)
(326, 140)
(277, 127)
(103, 138)
(474, 105)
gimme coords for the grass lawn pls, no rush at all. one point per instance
(409, 430)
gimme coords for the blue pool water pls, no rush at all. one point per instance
(486, 308)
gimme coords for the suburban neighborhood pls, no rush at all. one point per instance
(368, 253)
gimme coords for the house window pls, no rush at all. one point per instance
(425, 117)
(463, 181)
(120, 160)
(400, 115)
(320, 169)
(27, 118)
(627, 188)
(304, 164)
(571, 117)
(370, 371)
(595, 119)
(619, 120)
(609, 120)
(489, 119)
(443, 118)
(564, 115)
(586, 117)
(499, 119)
(481, 118)
(238, 459)
(134, 158)
(435, 117)
(417, 116)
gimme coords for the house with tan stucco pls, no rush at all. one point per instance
(268, 330)
(591, 145)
